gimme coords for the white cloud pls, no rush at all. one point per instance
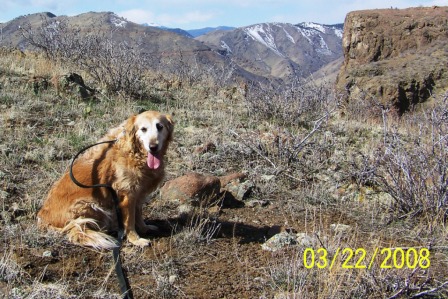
(138, 16)
(45, 3)
(141, 16)
(32, 3)
(438, 3)
(185, 18)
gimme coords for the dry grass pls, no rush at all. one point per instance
(311, 180)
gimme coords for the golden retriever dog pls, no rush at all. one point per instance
(133, 166)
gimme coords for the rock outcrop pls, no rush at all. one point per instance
(398, 57)
(72, 84)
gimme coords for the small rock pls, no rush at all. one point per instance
(305, 240)
(185, 208)
(47, 253)
(267, 178)
(229, 201)
(172, 279)
(240, 191)
(257, 202)
(287, 295)
(279, 241)
(340, 228)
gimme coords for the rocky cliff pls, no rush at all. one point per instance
(396, 56)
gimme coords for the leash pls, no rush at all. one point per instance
(122, 278)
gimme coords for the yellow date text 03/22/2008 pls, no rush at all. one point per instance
(348, 258)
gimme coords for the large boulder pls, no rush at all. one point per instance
(192, 188)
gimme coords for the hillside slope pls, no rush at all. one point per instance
(166, 49)
(159, 40)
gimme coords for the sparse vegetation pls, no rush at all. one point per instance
(384, 176)
(118, 66)
(414, 163)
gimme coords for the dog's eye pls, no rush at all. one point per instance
(159, 127)
(144, 129)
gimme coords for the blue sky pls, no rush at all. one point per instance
(194, 14)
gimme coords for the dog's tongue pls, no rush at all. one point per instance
(153, 161)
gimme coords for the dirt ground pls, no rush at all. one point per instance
(230, 264)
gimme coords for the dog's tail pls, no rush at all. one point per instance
(80, 231)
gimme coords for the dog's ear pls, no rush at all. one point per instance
(129, 126)
(169, 125)
(169, 118)
(130, 131)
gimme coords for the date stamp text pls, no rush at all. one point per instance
(349, 258)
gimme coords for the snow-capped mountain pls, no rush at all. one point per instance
(267, 50)
(280, 49)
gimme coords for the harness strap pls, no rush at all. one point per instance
(122, 278)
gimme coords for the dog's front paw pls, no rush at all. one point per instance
(140, 242)
(136, 240)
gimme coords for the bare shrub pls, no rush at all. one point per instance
(118, 65)
(9, 269)
(291, 122)
(413, 167)
(185, 67)
(200, 229)
(165, 273)
(286, 275)
(298, 102)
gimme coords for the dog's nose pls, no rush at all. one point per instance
(153, 148)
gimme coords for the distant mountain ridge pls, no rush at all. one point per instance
(175, 30)
(202, 31)
(166, 48)
(272, 51)
(279, 49)
(192, 32)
